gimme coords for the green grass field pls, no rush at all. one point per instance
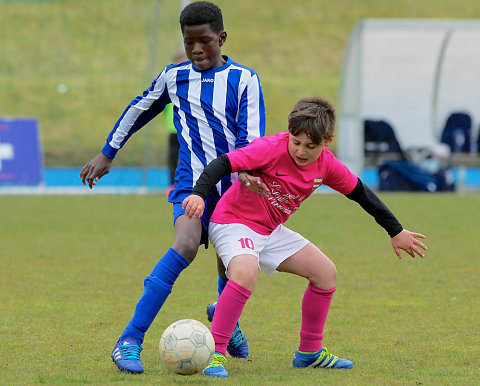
(107, 52)
(73, 268)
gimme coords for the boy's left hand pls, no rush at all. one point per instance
(194, 206)
(407, 241)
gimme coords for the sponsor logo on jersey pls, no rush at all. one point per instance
(207, 80)
(316, 183)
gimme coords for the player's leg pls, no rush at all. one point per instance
(239, 247)
(311, 263)
(222, 282)
(157, 287)
(159, 283)
(243, 272)
(188, 234)
(315, 266)
(222, 277)
(237, 346)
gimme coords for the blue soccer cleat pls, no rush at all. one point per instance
(237, 346)
(320, 358)
(216, 368)
(126, 355)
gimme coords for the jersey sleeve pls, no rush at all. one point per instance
(339, 177)
(251, 113)
(211, 175)
(372, 204)
(138, 113)
(246, 158)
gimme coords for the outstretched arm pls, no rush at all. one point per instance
(137, 114)
(400, 238)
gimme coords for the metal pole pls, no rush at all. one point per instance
(151, 69)
(183, 4)
(436, 128)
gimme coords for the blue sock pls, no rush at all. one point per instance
(157, 288)
(221, 285)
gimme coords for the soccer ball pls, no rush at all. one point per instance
(187, 346)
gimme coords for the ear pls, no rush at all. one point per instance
(329, 141)
(222, 38)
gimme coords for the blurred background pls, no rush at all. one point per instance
(74, 66)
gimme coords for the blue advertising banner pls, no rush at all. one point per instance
(20, 152)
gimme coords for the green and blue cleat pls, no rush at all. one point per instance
(237, 346)
(321, 358)
(126, 355)
(216, 368)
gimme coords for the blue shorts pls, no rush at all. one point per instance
(176, 197)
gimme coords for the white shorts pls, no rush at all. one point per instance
(230, 240)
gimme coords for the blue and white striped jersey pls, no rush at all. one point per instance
(215, 111)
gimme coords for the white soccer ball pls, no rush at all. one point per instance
(187, 346)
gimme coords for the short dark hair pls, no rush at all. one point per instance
(202, 12)
(313, 116)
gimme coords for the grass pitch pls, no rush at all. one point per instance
(73, 269)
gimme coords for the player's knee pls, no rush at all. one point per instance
(246, 282)
(325, 278)
(188, 234)
(187, 248)
(246, 278)
(333, 272)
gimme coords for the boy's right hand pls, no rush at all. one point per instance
(194, 206)
(95, 169)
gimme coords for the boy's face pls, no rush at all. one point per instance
(202, 46)
(303, 151)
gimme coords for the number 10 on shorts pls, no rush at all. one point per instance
(246, 243)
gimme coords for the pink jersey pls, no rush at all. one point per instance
(289, 184)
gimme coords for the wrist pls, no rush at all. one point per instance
(109, 151)
(199, 194)
(395, 232)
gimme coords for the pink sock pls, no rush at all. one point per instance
(315, 306)
(227, 312)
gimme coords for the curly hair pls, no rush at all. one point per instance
(202, 12)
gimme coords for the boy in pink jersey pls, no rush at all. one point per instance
(247, 232)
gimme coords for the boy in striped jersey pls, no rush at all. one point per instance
(218, 107)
